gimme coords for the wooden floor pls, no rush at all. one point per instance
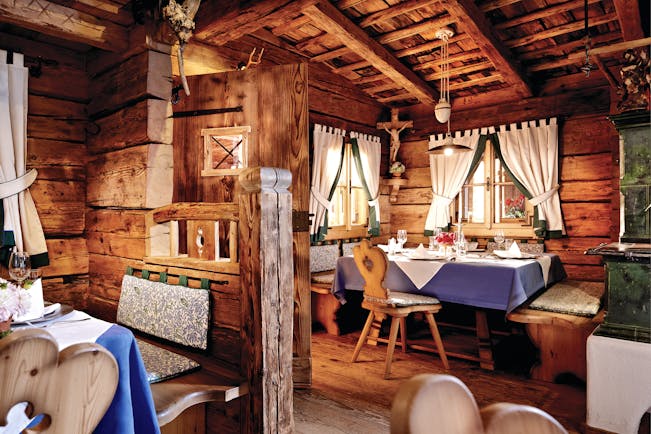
(354, 398)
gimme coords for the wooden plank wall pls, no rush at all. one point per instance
(130, 162)
(589, 150)
(55, 147)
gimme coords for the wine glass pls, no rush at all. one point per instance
(402, 237)
(19, 266)
(499, 238)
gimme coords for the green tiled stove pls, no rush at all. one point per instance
(628, 263)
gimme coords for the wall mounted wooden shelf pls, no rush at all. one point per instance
(395, 184)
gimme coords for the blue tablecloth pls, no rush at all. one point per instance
(132, 410)
(493, 285)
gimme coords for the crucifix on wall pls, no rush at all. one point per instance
(394, 127)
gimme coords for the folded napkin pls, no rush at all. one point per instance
(36, 304)
(420, 252)
(419, 272)
(50, 309)
(513, 253)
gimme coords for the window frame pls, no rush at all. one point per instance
(521, 228)
(348, 230)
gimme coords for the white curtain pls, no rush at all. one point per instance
(448, 173)
(20, 216)
(531, 154)
(328, 145)
(370, 152)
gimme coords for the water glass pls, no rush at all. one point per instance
(402, 237)
(19, 266)
(433, 244)
(499, 238)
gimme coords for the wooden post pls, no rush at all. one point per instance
(267, 279)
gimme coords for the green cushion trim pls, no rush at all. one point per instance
(205, 283)
(129, 271)
(162, 364)
(183, 280)
(145, 274)
(162, 277)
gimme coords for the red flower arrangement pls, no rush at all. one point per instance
(515, 207)
(446, 238)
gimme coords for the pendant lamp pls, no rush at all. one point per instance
(443, 109)
(587, 66)
(448, 147)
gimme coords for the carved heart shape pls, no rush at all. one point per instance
(73, 389)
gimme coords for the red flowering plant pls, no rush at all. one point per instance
(515, 207)
(446, 238)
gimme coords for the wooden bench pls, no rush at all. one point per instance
(323, 261)
(560, 332)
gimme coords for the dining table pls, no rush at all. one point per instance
(480, 280)
(132, 410)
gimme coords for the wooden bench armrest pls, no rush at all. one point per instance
(171, 399)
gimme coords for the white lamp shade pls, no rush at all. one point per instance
(442, 111)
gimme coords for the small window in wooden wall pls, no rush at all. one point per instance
(224, 150)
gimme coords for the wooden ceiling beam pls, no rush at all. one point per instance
(65, 23)
(219, 24)
(613, 48)
(352, 67)
(544, 13)
(346, 4)
(559, 30)
(329, 55)
(472, 54)
(475, 82)
(427, 46)
(496, 4)
(415, 29)
(560, 50)
(606, 72)
(369, 79)
(400, 97)
(113, 12)
(288, 26)
(481, 31)
(628, 15)
(329, 18)
(480, 66)
(552, 64)
(381, 88)
(321, 39)
(394, 11)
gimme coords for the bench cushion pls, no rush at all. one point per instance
(323, 279)
(323, 257)
(162, 364)
(347, 248)
(402, 299)
(176, 313)
(574, 298)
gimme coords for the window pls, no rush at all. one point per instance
(349, 214)
(490, 200)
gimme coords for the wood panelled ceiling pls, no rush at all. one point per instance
(502, 50)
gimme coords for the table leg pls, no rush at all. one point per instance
(484, 341)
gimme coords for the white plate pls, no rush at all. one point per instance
(505, 254)
(63, 310)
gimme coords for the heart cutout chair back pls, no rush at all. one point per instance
(72, 389)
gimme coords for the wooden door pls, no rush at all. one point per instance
(273, 102)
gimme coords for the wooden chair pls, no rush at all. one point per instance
(72, 388)
(431, 404)
(372, 263)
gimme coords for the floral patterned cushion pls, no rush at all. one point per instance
(403, 299)
(176, 313)
(571, 297)
(323, 257)
(347, 248)
(162, 364)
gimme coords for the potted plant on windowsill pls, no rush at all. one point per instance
(397, 169)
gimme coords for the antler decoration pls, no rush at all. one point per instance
(181, 19)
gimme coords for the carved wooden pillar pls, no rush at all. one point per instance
(267, 278)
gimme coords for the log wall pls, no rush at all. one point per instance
(55, 147)
(129, 164)
(589, 152)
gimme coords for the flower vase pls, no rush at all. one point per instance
(445, 249)
(397, 174)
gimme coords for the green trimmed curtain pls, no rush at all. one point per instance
(529, 152)
(448, 173)
(21, 225)
(367, 151)
(328, 145)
